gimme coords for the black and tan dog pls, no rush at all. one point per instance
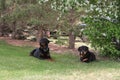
(43, 51)
(85, 54)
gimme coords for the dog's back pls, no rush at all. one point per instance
(35, 53)
(39, 53)
(92, 57)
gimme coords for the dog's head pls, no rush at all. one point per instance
(83, 50)
(44, 43)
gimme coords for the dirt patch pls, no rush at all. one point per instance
(53, 47)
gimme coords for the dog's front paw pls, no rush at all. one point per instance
(84, 60)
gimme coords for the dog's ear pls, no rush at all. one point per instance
(79, 49)
(86, 48)
(48, 41)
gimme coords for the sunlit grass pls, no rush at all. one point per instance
(16, 64)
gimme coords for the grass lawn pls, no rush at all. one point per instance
(15, 64)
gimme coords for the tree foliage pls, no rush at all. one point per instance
(68, 16)
(101, 16)
(2, 5)
(103, 26)
(103, 20)
(23, 12)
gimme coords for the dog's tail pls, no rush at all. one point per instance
(51, 60)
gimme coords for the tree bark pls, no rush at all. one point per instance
(71, 40)
(14, 30)
(71, 33)
(39, 34)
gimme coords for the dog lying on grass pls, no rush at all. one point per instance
(85, 54)
(43, 51)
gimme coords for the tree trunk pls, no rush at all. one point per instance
(2, 9)
(39, 34)
(71, 40)
(14, 30)
(71, 32)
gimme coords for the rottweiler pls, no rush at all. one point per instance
(86, 55)
(43, 51)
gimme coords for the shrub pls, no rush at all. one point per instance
(104, 35)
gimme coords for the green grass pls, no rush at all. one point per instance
(15, 64)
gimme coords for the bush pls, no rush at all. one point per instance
(104, 35)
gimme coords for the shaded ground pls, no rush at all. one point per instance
(53, 47)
